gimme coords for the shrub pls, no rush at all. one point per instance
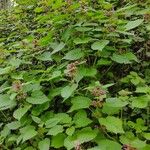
(75, 75)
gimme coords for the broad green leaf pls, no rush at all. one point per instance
(44, 41)
(74, 54)
(15, 62)
(142, 89)
(55, 130)
(126, 8)
(109, 145)
(99, 45)
(6, 102)
(37, 97)
(5, 132)
(14, 125)
(52, 122)
(20, 112)
(140, 102)
(86, 135)
(38, 9)
(81, 136)
(138, 143)
(81, 120)
(38, 109)
(120, 59)
(44, 144)
(58, 140)
(67, 91)
(148, 27)
(110, 110)
(115, 102)
(80, 102)
(67, 33)
(46, 56)
(102, 62)
(58, 47)
(70, 130)
(87, 72)
(133, 24)
(27, 133)
(82, 40)
(5, 70)
(36, 119)
(83, 29)
(70, 142)
(146, 136)
(112, 124)
(125, 58)
(65, 118)
(32, 87)
(130, 139)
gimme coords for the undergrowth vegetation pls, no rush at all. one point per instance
(75, 75)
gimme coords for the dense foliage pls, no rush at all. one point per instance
(75, 75)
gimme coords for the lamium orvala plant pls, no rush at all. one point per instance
(75, 75)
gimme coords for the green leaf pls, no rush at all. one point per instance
(99, 45)
(133, 24)
(46, 56)
(38, 9)
(20, 112)
(146, 136)
(14, 125)
(69, 142)
(15, 62)
(130, 139)
(80, 102)
(58, 140)
(138, 143)
(6, 102)
(65, 118)
(32, 87)
(58, 47)
(70, 131)
(142, 89)
(37, 97)
(5, 70)
(82, 40)
(44, 144)
(55, 130)
(81, 136)
(36, 119)
(86, 135)
(112, 124)
(126, 58)
(87, 72)
(103, 62)
(74, 54)
(27, 133)
(140, 102)
(44, 41)
(110, 110)
(52, 122)
(67, 91)
(109, 145)
(80, 119)
(5, 132)
(115, 102)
